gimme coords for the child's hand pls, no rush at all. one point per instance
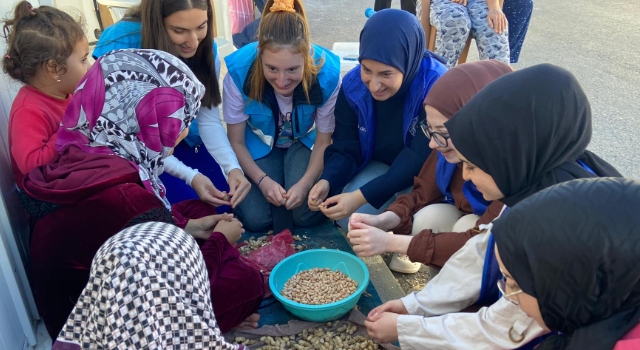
(232, 229)
(461, 2)
(203, 227)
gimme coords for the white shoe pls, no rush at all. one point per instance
(401, 263)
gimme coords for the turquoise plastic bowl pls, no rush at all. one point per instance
(347, 263)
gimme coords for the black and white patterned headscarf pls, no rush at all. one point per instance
(148, 289)
(133, 104)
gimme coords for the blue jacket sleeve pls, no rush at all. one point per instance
(343, 157)
(124, 34)
(401, 173)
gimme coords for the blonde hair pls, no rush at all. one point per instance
(284, 25)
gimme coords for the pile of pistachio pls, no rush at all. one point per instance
(256, 243)
(337, 336)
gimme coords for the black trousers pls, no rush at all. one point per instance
(407, 5)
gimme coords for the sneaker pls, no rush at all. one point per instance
(401, 263)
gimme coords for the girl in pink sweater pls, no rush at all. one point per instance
(47, 51)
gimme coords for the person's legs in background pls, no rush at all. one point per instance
(491, 45)
(240, 14)
(408, 5)
(296, 161)
(518, 14)
(255, 212)
(438, 218)
(381, 5)
(453, 26)
(465, 223)
(441, 217)
(260, 5)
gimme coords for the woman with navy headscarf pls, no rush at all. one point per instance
(376, 148)
(524, 132)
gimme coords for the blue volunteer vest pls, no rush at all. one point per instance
(360, 99)
(260, 134)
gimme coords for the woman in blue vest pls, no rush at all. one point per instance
(443, 211)
(184, 29)
(279, 99)
(377, 146)
(512, 145)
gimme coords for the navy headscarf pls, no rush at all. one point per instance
(395, 38)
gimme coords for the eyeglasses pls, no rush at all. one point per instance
(502, 286)
(441, 140)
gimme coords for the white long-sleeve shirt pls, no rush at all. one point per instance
(214, 136)
(434, 320)
(215, 140)
(173, 166)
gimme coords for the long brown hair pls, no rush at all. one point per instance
(151, 13)
(284, 29)
(38, 37)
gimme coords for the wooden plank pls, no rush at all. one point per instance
(105, 16)
(215, 27)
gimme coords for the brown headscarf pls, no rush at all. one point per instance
(460, 83)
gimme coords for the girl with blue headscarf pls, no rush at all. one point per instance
(376, 148)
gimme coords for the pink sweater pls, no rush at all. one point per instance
(33, 125)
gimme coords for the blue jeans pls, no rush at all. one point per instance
(370, 172)
(518, 13)
(285, 166)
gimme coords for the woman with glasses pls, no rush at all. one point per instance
(544, 264)
(377, 145)
(526, 131)
(442, 211)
